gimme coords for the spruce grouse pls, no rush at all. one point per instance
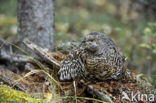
(97, 57)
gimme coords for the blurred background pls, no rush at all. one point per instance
(130, 23)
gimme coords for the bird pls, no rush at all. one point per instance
(96, 58)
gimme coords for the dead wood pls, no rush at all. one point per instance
(7, 53)
(42, 53)
(100, 95)
(6, 77)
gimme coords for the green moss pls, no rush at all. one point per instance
(9, 95)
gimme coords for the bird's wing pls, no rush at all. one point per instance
(71, 67)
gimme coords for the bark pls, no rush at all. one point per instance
(42, 54)
(36, 22)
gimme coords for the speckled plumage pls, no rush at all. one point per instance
(97, 57)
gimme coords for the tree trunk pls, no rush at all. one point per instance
(36, 22)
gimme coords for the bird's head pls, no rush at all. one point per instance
(92, 40)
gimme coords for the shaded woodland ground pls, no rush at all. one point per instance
(130, 23)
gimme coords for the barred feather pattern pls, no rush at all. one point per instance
(97, 57)
(72, 66)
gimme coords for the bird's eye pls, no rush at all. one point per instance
(91, 40)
